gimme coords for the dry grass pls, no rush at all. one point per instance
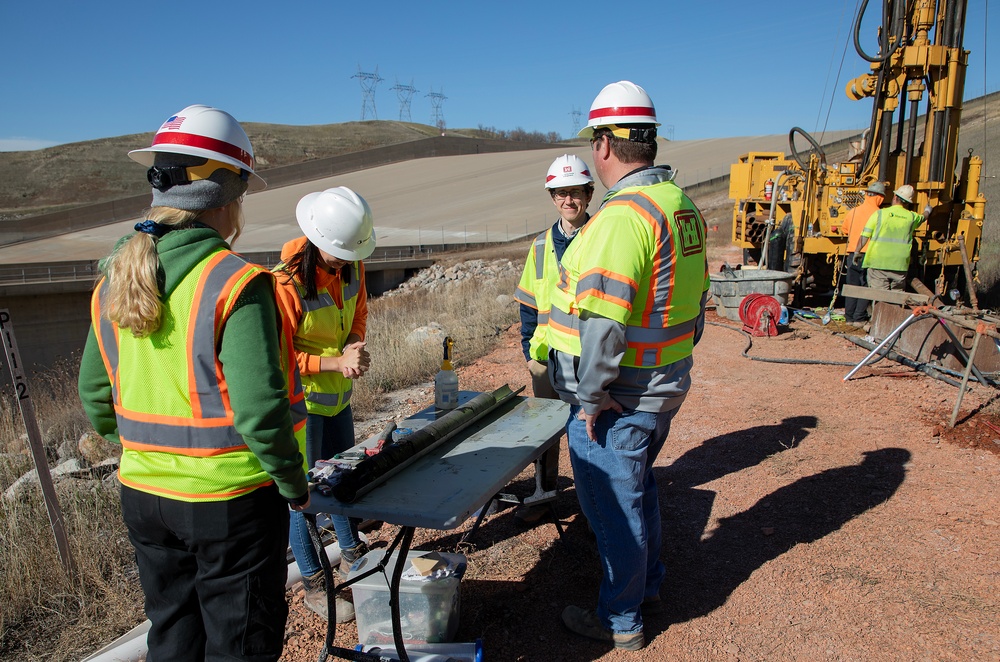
(44, 614)
(468, 311)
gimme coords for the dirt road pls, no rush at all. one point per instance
(805, 518)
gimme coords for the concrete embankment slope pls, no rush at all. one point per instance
(425, 201)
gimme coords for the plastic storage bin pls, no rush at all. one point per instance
(428, 608)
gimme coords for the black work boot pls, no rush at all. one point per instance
(315, 599)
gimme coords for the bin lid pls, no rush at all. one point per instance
(456, 563)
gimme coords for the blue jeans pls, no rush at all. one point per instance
(617, 492)
(325, 437)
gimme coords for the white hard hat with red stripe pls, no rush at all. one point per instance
(205, 132)
(620, 103)
(568, 170)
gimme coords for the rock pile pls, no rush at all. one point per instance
(437, 276)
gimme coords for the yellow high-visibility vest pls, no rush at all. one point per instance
(539, 278)
(323, 331)
(654, 288)
(177, 430)
(890, 237)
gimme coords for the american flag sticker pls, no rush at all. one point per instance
(173, 123)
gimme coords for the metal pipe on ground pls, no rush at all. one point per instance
(925, 368)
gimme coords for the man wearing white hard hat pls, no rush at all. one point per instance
(624, 321)
(888, 234)
(321, 290)
(571, 187)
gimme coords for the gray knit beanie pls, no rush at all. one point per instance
(221, 188)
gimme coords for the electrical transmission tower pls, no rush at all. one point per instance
(670, 131)
(437, 98)
(575, 114)
(369, 81)
(404, 93)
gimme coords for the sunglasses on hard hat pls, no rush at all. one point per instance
(164, 177)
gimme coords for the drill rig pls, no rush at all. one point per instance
(788, 211)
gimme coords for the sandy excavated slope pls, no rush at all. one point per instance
(454, 199)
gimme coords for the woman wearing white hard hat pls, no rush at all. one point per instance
(321, 289)
(183, 367)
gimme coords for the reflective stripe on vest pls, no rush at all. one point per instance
(564, 325)
(171, 401)
(293, 379)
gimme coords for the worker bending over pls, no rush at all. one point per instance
(890, 232)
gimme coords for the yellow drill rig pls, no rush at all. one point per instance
(788, 210)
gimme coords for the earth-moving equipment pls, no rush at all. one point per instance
(789, 209)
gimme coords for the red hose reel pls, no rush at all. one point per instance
(760, 314)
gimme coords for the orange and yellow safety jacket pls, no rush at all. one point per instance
(321, 328)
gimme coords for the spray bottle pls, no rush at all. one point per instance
(446, 381)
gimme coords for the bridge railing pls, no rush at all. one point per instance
(83, 270)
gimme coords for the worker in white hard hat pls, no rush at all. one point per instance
(888, 234)
(184, 368)
(855, 309)
(622, 328)
(571, 187)
(321, 289)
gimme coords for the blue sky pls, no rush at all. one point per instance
(73, 71)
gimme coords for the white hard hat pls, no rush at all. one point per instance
(205, 132)
(568, 170)
(904, 193)
(338, 221)
(619, 103)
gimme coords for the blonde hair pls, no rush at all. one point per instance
(133, 299)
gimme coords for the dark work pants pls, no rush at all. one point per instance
(855, 310)
(213, 574)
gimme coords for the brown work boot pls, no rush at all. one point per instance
(315, 599)
(348, 557)
(585, 622)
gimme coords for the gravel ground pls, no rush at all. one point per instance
(804, 518)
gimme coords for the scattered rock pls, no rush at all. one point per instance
(432, 332)
(95, 449)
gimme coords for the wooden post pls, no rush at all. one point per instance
(35, 441)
